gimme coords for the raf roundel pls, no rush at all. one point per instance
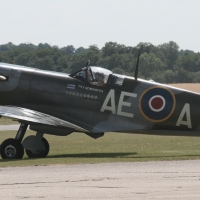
(157, 104)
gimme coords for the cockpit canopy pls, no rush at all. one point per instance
(93, 75)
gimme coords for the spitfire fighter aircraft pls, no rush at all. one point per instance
(93, 101)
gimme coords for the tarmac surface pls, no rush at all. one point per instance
(9, 127)
(138, 180)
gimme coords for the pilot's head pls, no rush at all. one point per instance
(99, 77)
(89, 76)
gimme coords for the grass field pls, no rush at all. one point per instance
(113, 147)
(7, 121)
(78, 148)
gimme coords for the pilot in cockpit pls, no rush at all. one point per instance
(89, 76)
(99, 78)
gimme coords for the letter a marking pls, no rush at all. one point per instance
(185, 111)
(110, 97)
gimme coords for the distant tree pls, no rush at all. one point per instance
(158, 77)
(118, 71)
(2, 57)
(23, 59)
(196, 77)
(189, 62)
(145, 47)
(150, 64)
(43, 46)
(7, 47)
(109, 49)
(62, 65)
(126, 62)
(68, 50)
(169, 53)
(76, 62)
(183, 76)
(163, 63)
(94, 48)
(80, 50)
(169, 76)
(185, 52)
(27, 46)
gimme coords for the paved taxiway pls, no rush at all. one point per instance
(9, 127)
(138, 180)
(144, 180)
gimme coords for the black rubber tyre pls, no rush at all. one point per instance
(12, 149)
(39, 154)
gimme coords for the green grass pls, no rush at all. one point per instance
(113, 147)
(7, 121)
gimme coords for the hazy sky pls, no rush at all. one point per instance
(86, 22)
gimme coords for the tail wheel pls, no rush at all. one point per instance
(38, 153)
(12, 149)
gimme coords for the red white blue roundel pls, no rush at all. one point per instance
(157, 104)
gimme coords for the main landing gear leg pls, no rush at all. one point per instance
(12, 148)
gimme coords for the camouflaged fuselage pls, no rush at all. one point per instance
(72, 104)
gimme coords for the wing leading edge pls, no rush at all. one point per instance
(37, 117)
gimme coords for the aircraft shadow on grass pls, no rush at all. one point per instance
(93, 155)
(86, 155)
(124, 155)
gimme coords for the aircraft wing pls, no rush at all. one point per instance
(35, 116)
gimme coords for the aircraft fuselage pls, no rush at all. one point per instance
(134, 106)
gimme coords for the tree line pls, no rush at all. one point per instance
(164, 63)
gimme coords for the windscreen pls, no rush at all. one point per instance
(98, 76)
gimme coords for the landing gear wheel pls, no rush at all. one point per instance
(12, 149)
(39, 154)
